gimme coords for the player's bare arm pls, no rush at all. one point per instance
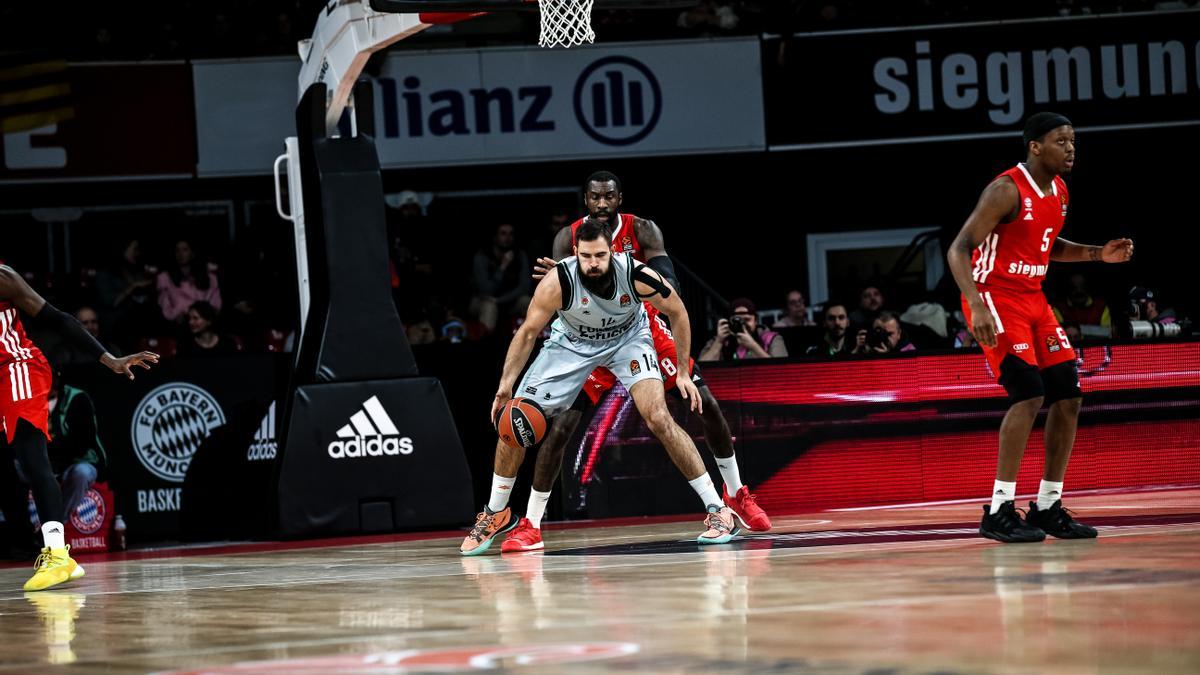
(547, 298)
(1115, 251)
(998, 204)
(650, 237)
(14, 289)
(654, 250)
(652, 288)
(559, 250)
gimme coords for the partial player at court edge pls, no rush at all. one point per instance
(25, 379)
(601, 321)
(641, 238)
(999, 260)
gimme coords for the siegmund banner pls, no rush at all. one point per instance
(979, 81)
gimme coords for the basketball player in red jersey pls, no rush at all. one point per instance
(24, 413)
(999, 259)
(644, 240)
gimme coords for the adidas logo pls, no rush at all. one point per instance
(370, 433)
(264, 446)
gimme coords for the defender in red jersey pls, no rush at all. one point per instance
(25, 378)
(643, 239)
(999, 260)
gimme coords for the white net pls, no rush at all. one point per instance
(566, 23)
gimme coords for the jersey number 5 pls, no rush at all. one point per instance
(1046, 239)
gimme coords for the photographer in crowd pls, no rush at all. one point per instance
(740, 337)
(1143, 306)
(885, 337)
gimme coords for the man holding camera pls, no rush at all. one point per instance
(886, 336)
(999, 260)
(740, 337)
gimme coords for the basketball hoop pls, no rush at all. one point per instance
(566, 23)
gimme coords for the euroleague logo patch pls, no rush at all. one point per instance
(169, 425)
(635, 367)
(89, 515)
(625, 300)
(1052, 344)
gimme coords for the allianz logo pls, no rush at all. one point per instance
(370, 433)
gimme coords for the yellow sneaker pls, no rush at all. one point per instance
(54, 566)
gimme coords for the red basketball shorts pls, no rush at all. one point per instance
(24, 395)
(1025, 328)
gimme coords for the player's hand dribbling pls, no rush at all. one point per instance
(542, 267)
(502, 397)
(1117, 251)
(983, 326)
(689, 392)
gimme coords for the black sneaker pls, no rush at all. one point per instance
(1006, 525)
(1056, 521)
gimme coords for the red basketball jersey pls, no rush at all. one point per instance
(1015, 255)
(624, 238)
(15, 345)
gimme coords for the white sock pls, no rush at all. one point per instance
(704, 487)
(729, 471)
(52, 535)
(1003, 491)
(1048, 493)
(501, 490)
(536, 508)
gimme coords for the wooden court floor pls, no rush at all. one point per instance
(886, 590)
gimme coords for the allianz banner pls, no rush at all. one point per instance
(980, 81)
(504, 105)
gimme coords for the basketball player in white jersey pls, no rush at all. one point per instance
(601, 321)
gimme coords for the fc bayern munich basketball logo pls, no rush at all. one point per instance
(89, 515)
(169, 425)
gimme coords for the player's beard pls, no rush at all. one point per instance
(599, 285)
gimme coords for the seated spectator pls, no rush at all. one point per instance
(186, 282)
(885, 337)
(1073, 333)
(1143, 306)
(420, 332)
(1080, 307)
(125, 290)
(709, 17)
(502, 285)
(797, 312)
(204, 339)
(870, 304)
(64, 355)
(76, 455)
(740, 337)
(837, 323)
(542, 243)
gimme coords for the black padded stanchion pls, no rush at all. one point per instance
(367, 444)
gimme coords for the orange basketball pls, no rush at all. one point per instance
(521, 423)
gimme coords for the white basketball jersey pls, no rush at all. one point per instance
(585, 316)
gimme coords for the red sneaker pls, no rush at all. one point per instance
(747, 509)
(525, 538)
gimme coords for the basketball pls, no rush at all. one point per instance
(521, 423)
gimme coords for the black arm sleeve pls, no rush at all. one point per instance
(659, 288)
(66, 325)
(662, 264)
